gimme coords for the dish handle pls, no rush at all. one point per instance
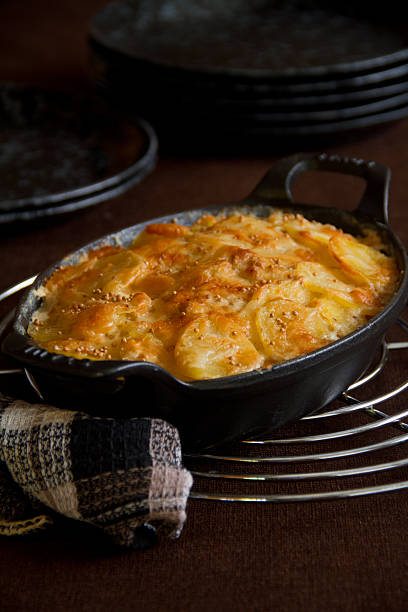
(278, 181)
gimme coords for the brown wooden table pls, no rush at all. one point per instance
(349, 554)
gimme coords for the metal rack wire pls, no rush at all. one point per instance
(253, 462)
(266, 467)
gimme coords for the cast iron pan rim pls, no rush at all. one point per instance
(20, 346)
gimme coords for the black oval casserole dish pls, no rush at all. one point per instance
(211, 412)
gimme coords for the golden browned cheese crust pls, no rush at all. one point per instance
(226, 295)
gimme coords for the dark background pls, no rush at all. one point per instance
(345, 555)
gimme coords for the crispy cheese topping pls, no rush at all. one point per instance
(228, 294)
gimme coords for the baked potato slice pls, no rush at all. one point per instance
(362, 263)
(288, 329)
(215, 346)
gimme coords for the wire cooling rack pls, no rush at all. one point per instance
(350, 440)
(328, 447)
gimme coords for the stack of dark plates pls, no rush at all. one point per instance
(249, 70)
(60, 153)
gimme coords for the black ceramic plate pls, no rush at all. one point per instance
(56, 148)
(132, 84)
(247, 136)
(32, 213)
(272, 116)
(315, 102)
(184, 114)
(127, 80)
(254, 39)
(251, 128)
(117, 68)
(180, 106)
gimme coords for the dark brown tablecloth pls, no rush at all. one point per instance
(343, 555)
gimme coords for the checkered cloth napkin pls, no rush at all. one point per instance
(123, 476)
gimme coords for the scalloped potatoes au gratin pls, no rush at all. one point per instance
(228, 294)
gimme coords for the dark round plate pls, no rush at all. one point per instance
(179, 106)
(190, 113)
(129, 80)
(315, 102)
(253, 129)
(113, 66)
(57, 148)
(263, 39)
(246, 136)
(272, 116)
(67, 206)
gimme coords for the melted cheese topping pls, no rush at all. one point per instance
(223, 296)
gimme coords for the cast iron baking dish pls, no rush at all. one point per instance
(211, 412)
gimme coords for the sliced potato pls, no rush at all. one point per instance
(293, 290)
(94, 322)
(313, 237)
(147, 348)
(288, 329)
(302, 229)
(215, 346)
(171, 230)
(80, 349)
(319, 280)
(332, 312)
(359, 261)
(155, 284)
(120, 271)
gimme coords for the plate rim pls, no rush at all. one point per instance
(339, 68)
(150, 150)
